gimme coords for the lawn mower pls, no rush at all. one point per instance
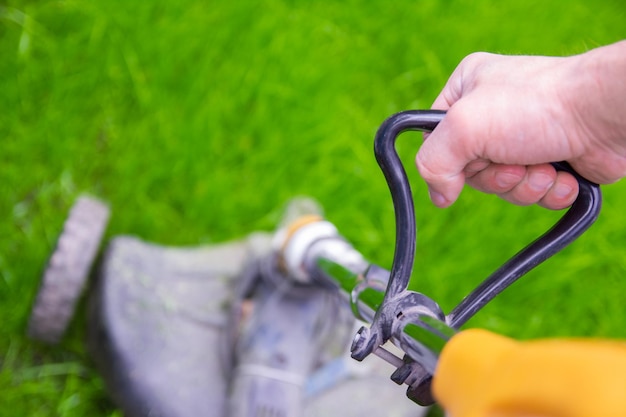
(271, 325)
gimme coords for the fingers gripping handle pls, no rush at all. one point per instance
(576, 220)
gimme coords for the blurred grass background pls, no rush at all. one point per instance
(197, 121)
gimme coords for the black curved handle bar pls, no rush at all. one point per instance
(576, 220)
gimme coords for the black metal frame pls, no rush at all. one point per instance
(412, 320)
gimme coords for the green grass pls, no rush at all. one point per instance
(198, 120)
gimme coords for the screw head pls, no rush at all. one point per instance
(359, 339)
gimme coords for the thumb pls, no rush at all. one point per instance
(441, 166)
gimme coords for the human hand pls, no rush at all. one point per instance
(508, 117)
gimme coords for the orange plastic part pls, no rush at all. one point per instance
(481, 374)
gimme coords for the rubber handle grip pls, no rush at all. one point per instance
(482, 374)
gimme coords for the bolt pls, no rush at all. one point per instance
(359, 339)
(401, 374)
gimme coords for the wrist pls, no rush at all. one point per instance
(601, 100)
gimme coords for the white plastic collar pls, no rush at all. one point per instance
(294, 249)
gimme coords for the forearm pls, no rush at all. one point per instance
(598, 97)
(606, 67)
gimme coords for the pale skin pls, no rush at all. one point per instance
(508, 117)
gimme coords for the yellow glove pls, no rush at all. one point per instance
(481, 374)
